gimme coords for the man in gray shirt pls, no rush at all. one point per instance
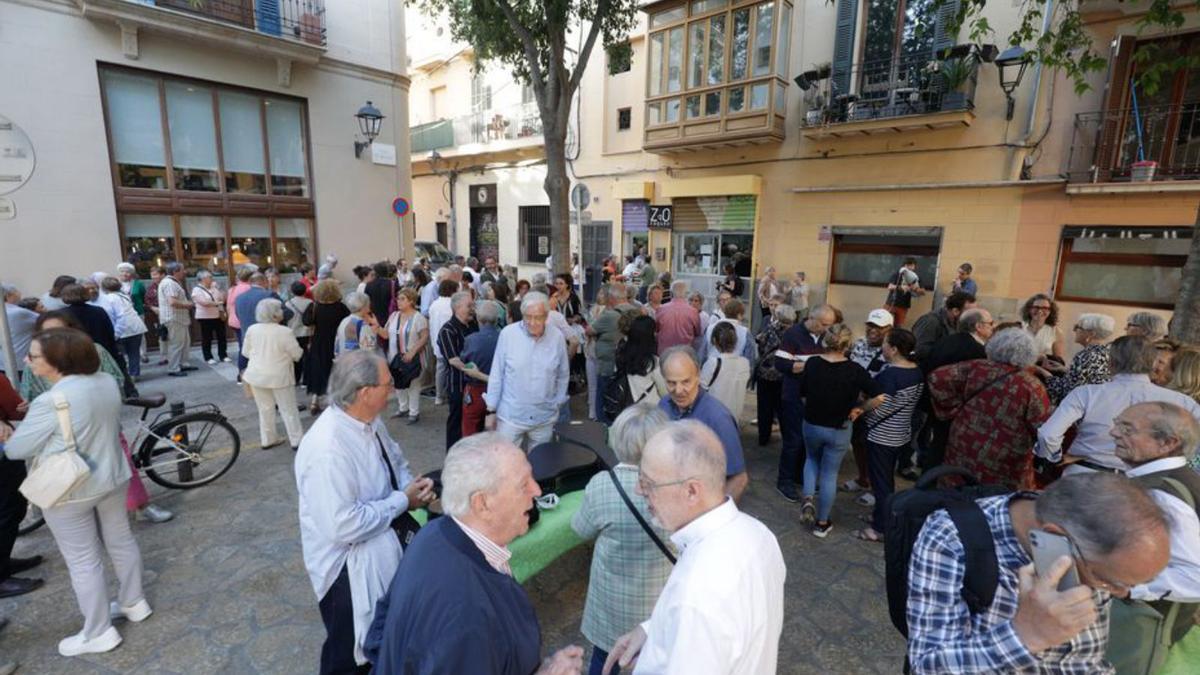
(605, 330)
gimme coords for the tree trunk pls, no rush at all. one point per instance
(1185, 325)
(557, 188)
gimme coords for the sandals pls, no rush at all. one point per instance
(808, 511)
(868, 534)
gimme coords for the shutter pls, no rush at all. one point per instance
(943, 35)
(1112, 118)
(843, 47)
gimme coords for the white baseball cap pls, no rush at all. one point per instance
(880, 317)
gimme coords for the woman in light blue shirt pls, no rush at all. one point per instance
(94, 511)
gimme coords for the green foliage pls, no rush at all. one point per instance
(620, 57)
(956, 72)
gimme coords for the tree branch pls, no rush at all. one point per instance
(602, 9)
(531, 53)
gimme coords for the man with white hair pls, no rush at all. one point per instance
(722, 608)
(353, 482)
(528, 382)
(20, 327)
(678, 322)
(455, 606)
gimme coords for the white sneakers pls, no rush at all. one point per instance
(137, 613)
(77, 644)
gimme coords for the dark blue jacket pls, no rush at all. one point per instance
(246, 303)
(448, 612)
(796, 340)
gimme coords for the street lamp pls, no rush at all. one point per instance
(369, 120)
(1011, 63)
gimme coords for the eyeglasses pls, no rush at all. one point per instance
(1040, 308)
(647, 486)
(1088, 576)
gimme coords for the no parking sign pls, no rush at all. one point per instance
(400, 206)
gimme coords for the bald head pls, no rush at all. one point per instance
(682, 473)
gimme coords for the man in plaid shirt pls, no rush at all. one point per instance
(1120, 540)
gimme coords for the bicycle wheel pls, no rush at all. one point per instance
(32, 521)
(191, 450)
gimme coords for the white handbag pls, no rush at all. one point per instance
(54, 476)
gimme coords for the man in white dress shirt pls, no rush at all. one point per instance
(353, 481)
(722, 608)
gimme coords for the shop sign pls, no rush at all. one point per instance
(483, 195)
(16, 156)
(383, 153)
(661, 217)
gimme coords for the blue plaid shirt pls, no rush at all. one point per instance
(945, 638)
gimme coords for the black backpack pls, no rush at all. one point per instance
(906, 513)
(618, 396)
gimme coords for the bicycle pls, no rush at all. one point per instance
(180, 451)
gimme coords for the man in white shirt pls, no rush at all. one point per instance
(1094, 406)
(353, 481)
(173, 306)
(722, 608)
(439, 313)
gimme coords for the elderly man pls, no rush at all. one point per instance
(20, 328)
(478, 351)
(797, 344)
(451, 339)
(972, 332)
(1031, 626)
(1157, 440)
(492, 272)
(722, 608)
(173, 306)
(686, 400)
(246, 305)
(938, 324)
(455, 607)
(353, 481)
(867, 351)
(1094, 406)
(528, 383)
(605, 331)
(678, 322)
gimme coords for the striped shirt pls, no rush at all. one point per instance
(890, 424)
(170, 290)
(496, 555)
(451, 339)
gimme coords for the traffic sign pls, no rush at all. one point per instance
(400, 206)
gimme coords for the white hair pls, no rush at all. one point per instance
(680, 288)
(632, 428)
(694, 450)
(473, 464)
(1014, 346)
(1100, 326)
(351, 372)
(534, 298)
(356, 301)
(126, 267)
(203, 274)
(268, 310)
(487, 311)
(441, 274)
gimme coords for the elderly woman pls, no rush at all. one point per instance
(128, 327)
(359, 330)
(327, 316)
(997, 405)
(1164, 361)
(91, 518)
(1090, 365)
(408, 333)
(770, 381)
(271, 349)
(210, 314)
(726, 374)
(1146, 324)
(1039, 316)
(628, 571)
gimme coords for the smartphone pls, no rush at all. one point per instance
(1049, 547)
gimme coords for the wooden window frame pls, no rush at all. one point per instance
(836, 247)
(1067, 255)
(226, 221)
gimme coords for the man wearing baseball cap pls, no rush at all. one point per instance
(867, 352)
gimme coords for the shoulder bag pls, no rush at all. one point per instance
(54, 476)
(404, 373)
(404, 525)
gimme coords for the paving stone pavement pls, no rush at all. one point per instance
(227, 583)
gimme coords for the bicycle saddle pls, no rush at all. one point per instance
(149, 401)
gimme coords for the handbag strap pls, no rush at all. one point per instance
(640, 519)
(63, 410)
(387, 462)
(716, 372)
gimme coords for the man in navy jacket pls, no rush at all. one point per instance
(245, 304)
(801, 340)
(453, 606)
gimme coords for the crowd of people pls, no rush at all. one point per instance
(1110, 437)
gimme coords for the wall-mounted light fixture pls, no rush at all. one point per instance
(369, 120)
(1011, 63)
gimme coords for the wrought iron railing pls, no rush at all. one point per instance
(499, 124)
(893, 87)
(1136, 144)
(301, 20)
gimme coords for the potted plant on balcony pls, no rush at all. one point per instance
(955, 74)
(816, 108)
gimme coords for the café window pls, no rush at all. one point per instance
(242, 143)
(871, 257)
(535, 233)
(135, 130)
(204, 247)
(285, 138)
(1140, 267)
(218, 244)
(293, 245)
(149, 241)
(193, 137)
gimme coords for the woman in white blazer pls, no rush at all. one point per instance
(93, 511)
(271, 350)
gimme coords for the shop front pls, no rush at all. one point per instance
(713, 236)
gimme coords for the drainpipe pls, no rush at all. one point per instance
(452, 228)
(6, 345)
(1015, 166)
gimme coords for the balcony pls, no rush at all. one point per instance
(892, 96)
(487, 131)
(1147, 149)
(288, 30)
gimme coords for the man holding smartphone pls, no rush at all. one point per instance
(1117, 537)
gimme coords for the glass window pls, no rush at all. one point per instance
(737, 99)
(1146, 272)
(780, 99)
(698, 253)
(193, 137)
(669, 16)
(785, 40)
(149, 241)
(293, 244)
(672, 110)
(758, 96)
(654, 113)
(242, 143)
(535, 233)
(716, 49)
(250, 241)
(763, 30)
(740, 55)
(736, 250)
(135, 122)
(693, 106)
(696, 55)
(285, 138)
(203, 240)
(656, 61)
(702, 6)
(675, 59)
(712, 103)
(872, 259)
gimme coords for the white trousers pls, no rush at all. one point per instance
(285, 399)
(526, 437)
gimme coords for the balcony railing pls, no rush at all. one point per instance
(301, 20)
(891, 88)
(515, 123)
(1153, 143)
(433, 136)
